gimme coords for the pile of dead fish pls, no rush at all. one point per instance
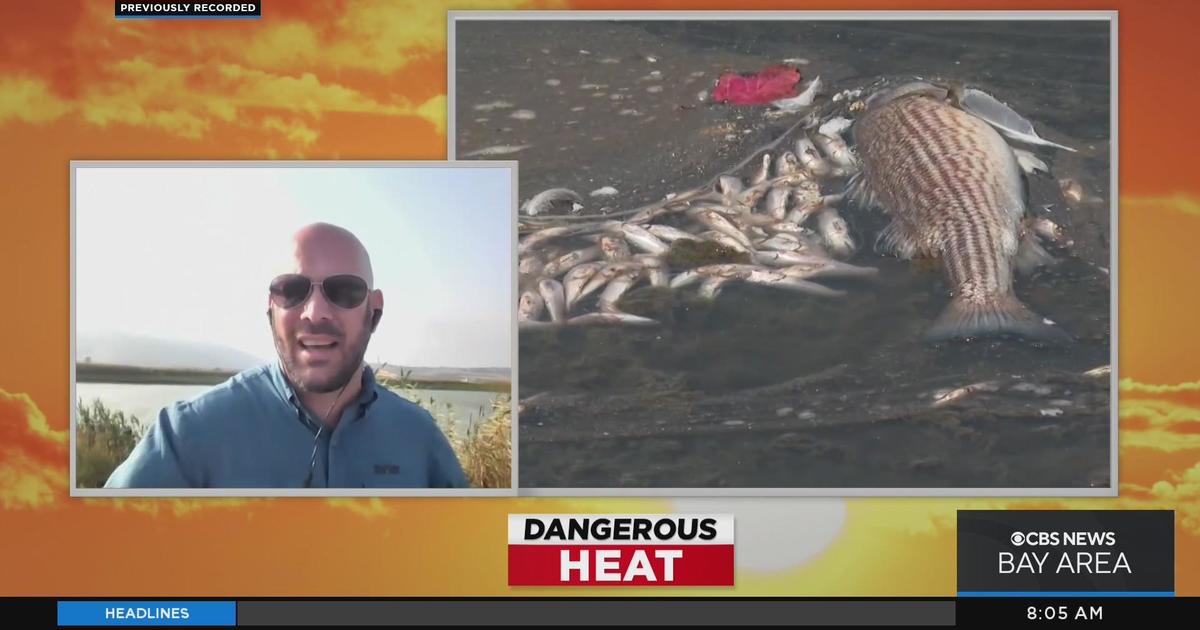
(773, 224)
(767, 222)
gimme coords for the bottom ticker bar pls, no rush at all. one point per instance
(601, 611)
(966, 612)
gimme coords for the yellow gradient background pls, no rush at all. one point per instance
(368, 80)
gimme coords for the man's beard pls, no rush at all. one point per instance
(340, 379)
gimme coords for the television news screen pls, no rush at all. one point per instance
(515, 312)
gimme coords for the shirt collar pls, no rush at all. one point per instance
(368, 395)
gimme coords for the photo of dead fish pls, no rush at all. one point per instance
(805, 253)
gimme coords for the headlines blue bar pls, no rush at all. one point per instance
(146, 613)
(1083, 594)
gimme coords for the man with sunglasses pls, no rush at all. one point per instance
(316, 417)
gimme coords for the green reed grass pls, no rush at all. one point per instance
(105, 437)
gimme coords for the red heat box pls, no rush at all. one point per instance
(620, 550)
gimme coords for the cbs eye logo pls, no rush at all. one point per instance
(1017, 539)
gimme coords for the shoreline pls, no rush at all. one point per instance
(130, 375)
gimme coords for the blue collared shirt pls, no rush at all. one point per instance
(252, 432)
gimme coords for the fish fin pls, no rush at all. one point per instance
(1007, 121)
(1031, 255)
(1003, 315)
(894, 240)
(858, 193)
(1030, 163)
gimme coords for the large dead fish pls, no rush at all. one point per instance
(954, 191)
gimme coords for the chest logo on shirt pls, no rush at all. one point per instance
(387, 469)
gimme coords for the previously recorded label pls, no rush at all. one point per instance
(1066, 551)
(244, 9)
(620, 550)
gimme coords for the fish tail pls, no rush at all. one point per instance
(1003, 315)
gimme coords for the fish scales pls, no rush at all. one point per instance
(953, 188)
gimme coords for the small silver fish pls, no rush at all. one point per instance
(616, 288)
(806, 201)
(810, 158)
(946, 397)
(669, 234)
(805, 265)
(778, 279)
(800, 214)
(787, 164)
(749, 197)
(553, 293)
(836, 233)
(726, 210)
(530, 306)
(727, 271)
(1103, 371)
(763, 171)
(549, 200)
(576, 278)
(777, 202)
(1050, 231)
(719, 223)
(730, 186)
(655, 269)
(614, 248)
(571, 259)
(724, 239)
(530, 265)
(651, 213)
(782, 242)
(644, 240)
(836, 149)
(751, 222)
(500, 149)
(786, 227)
(775, 258)
(547, 234)
(602, 277)
(810, 266)
(611, 319)
(834, 126)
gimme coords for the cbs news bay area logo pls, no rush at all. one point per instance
(1073, 561)
(1103, 552)
(620, 550)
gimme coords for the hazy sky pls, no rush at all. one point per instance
(185, 253)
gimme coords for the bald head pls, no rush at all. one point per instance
(320, 337)
(321, 249)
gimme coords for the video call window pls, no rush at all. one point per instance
(263, 328)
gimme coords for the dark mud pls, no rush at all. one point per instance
(764, 389)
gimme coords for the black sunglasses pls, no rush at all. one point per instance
(344, 291)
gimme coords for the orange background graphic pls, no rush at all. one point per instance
(365, 80)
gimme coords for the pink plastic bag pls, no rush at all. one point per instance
(768, 86)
